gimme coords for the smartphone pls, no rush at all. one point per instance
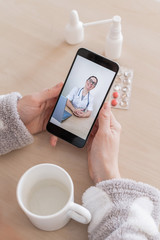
(82, 96)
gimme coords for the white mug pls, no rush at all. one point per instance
(45, 193)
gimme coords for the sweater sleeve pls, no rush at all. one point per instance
(123, 209)
(13, 133)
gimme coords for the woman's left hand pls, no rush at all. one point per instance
(35, 109)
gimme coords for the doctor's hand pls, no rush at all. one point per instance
(35, 109)
(81, 114)
(103, 147)
(78, 112)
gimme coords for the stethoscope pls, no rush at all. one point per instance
(88, 97)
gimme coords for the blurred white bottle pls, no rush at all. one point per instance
(74, 31)
(114, 40)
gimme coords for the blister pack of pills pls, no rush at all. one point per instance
(120, 93)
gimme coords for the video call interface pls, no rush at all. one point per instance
(84, 91)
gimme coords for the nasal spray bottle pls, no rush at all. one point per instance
(114, 39)
(74, 31)
(74, 34)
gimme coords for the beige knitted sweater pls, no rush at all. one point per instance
(120, 209)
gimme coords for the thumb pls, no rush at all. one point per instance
(50, 92)
(104, 117)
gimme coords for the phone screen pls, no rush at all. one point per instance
(84, 91)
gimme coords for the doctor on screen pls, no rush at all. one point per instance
(80, 100)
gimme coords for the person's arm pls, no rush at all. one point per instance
(70, 106)
(78, 112)
(86, 114)
(20, 117)
(120, 208)
(13, 133)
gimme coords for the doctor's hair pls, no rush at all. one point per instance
(93, 77)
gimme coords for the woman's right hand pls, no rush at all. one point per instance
(103, 147)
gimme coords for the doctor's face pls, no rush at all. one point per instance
(91, 83)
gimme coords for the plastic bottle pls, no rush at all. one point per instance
(114, 40)
(74, 31)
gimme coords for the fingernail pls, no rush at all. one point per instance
(59, 84)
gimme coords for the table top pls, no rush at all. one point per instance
(76, 125)
(35, 56)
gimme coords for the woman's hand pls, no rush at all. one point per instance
(103, 147)
(35, 109)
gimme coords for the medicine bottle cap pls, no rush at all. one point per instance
(115, 30)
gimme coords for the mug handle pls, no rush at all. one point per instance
(79, 213)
